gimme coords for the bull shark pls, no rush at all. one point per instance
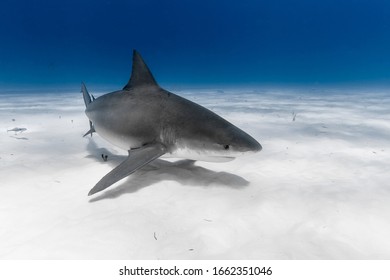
(149, 122)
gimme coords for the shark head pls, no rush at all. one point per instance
(217, 147)
(208, 137)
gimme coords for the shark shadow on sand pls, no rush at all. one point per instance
(184, 172)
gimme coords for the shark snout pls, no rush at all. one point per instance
(254, 146)
(257, 147)
(249, 145)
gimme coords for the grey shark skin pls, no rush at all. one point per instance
(150, 122)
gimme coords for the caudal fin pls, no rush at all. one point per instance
(91, 129)
(86, 95)
(87, 101)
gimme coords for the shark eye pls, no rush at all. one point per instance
(226, 147)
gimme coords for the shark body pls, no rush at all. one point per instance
(149, 122)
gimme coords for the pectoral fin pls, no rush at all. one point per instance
(137, 158)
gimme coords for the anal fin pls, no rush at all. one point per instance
(137, 158)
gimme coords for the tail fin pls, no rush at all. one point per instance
(87, 101)
(86, 95)
(91, 129)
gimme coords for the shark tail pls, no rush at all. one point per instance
(88, 98)
(91, 129)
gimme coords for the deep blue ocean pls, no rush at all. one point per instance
(59, 44)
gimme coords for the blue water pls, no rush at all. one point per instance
(58, 44)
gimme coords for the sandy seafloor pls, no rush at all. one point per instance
(319, 189)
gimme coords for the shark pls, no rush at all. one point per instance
(149, 122)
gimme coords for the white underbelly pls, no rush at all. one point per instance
(196, 155)
(124, 142)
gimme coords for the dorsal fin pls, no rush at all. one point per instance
(140, 73)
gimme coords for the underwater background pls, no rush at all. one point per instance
(309, 80)
(57, 44)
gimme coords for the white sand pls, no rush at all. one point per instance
(320, 189)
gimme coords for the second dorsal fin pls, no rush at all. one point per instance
(140, 73)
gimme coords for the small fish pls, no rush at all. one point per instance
(17, 129)
(294, 116)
